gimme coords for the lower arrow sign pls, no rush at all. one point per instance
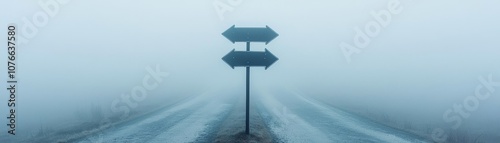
(249, 58)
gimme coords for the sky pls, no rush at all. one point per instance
(426, 59)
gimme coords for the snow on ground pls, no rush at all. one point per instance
(185, 122)
(287, 127)
(284, 116)
(194, 126)
(293, 117)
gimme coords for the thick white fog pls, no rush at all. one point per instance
(427, 58)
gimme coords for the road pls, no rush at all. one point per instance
(292, 117)
(276, 116)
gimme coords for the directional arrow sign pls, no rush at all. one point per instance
(249, 58)
(248, 34)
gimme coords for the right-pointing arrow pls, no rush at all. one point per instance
(249, 58)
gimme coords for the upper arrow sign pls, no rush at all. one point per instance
(249, 58)
(248, 34)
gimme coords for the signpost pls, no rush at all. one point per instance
(249, 58)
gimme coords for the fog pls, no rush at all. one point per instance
(428, 58)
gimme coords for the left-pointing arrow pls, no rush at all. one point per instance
(249, 58)
(250, 34)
